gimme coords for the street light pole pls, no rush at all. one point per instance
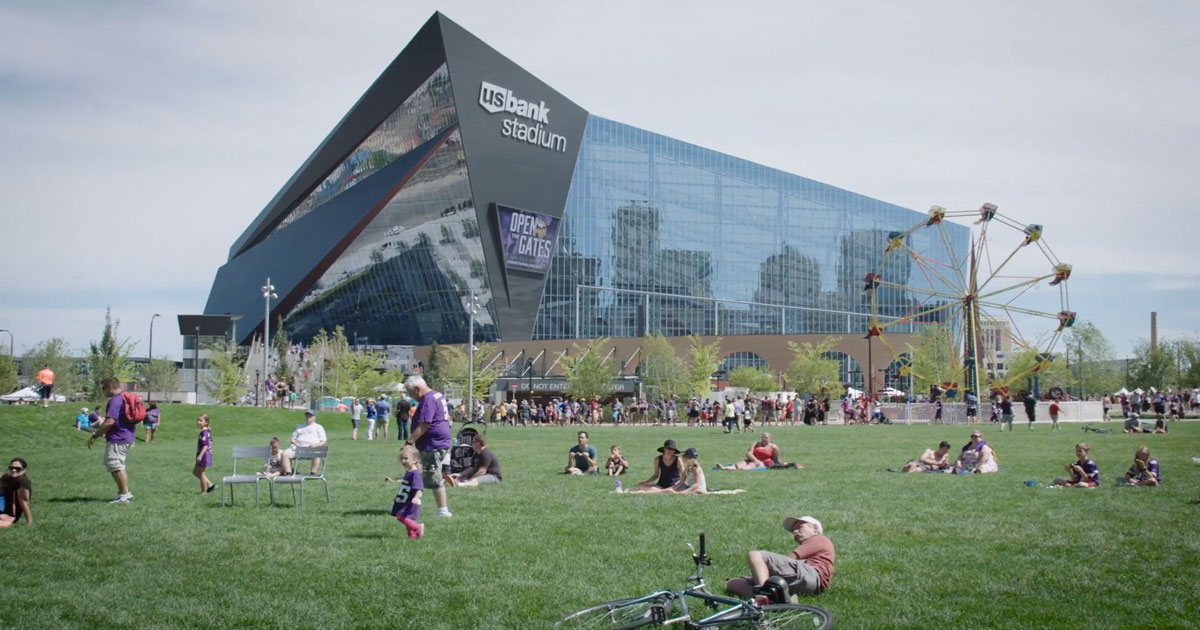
(472, 309)
(268, 293)
(150, 359)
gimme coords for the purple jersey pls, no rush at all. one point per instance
(432, 411)
(151, 418)
(403, 506)
(1151, 471)
(205, 439)
(1091, 472)
(123, 431)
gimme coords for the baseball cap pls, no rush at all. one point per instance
(789, 523)
(309, 413)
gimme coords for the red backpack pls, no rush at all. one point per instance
(134, 408)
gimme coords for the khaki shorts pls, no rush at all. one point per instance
(431, 467)
(793, 570)
(114, 455)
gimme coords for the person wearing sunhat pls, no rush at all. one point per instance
(808, 567)
(691, 480)
(667, 470)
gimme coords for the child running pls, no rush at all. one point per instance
(203, 454)
(1084, 472)
(1144, 471)
(616, 464)
(407, 506)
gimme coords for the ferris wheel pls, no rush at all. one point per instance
(968, 294)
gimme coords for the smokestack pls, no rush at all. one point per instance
(1153, 331)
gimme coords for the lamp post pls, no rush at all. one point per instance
(12, 347)
(472, 309)
(150, 359)
(196, 367)
(268, 293)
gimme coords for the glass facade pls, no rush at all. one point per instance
(406, 278)
(421, 117)
(664, 236)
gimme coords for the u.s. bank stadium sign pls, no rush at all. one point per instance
(534, 129)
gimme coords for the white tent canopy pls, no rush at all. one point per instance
(29, 394)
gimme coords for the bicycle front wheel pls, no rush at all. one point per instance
(621, 613)
(782, 617)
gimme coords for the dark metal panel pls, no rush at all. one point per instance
(413, 65)
(209, 325)
(504, 169)
(297, 255)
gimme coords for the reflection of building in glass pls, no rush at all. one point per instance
(390, 225)
(996, 334)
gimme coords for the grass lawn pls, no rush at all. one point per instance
(917, 550)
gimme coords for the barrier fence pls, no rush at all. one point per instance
(956, 413)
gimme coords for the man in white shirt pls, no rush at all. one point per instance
(306, 435)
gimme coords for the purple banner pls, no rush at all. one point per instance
(527, 239)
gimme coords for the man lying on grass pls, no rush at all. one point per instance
(808, 567)
(931, 460)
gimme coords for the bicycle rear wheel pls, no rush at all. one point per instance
(783, 617)
(622, 613)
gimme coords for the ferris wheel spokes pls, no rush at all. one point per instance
(1026, 284)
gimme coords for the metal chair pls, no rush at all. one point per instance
(256, 453)
(297, 478)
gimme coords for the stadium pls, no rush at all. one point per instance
(458, 173)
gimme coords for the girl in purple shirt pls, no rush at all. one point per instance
(1144, 471)
(407, 505)
(203, 454)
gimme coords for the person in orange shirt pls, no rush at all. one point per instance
(45, 378)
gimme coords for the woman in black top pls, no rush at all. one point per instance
(16, 490)
(667, 468)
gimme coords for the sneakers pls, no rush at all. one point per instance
(211, 487)
(444, 512)
(420, 530)
(123, 498)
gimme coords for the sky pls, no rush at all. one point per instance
(138, 139)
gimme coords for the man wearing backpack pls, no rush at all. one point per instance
(119, 429)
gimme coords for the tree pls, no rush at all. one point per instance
(8, 374)
(810, 371)
(705, 359)
(434, 367)
(281, 344)
(224, 380)
(455, 371)
(1053, 373)
(755, 379)
(109, 357)
(933, 357)
(161, 376)
(54, 352)
(661, 369)
(1151, 368)
(589, 374)
(334, 348)
(1090, 355)
(1187, 362)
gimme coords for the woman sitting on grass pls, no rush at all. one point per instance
(761, 455)
(976, 457)
(690, 482)
(1084, 472)
(1144, 471)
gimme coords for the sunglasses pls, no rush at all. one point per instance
(15, 468)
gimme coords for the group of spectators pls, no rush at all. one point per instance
(735, 413)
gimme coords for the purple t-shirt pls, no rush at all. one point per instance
(205, 439)
(1090, 470)
(432, 411)
(403, 506)
(123, 431)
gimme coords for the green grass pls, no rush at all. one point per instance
(912, 550)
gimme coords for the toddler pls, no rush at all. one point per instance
(616, 464)
(273, 467)
(407, 506)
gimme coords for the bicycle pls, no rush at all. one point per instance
(665, 607)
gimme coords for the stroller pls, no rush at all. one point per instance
(462, 453)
